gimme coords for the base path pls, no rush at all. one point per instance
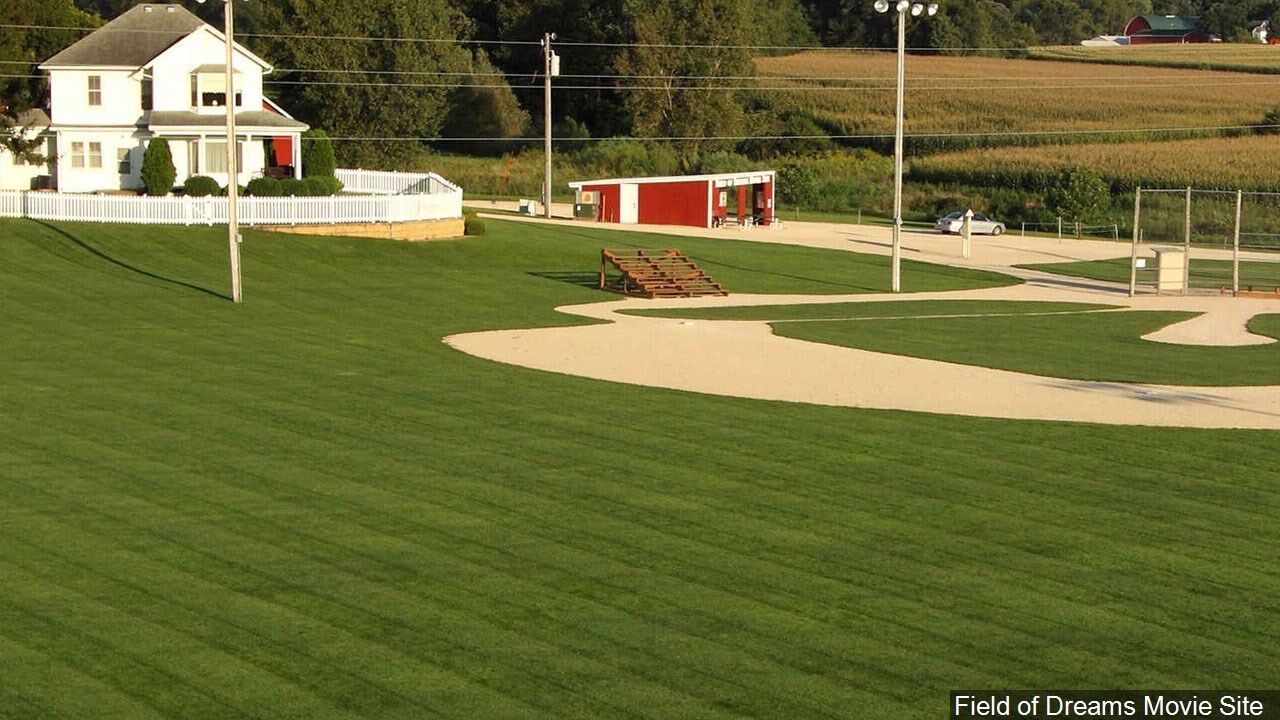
(745, 358)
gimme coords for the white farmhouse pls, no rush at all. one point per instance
(158, 72)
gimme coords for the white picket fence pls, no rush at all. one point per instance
(391, 197)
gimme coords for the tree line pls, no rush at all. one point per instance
(477, 84)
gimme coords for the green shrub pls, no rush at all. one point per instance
(325, 185)
(798, 185)
(201, 186)
(263, 187)
(472, 225)
(723, 161)
(1078, 194)
(628, 158)
(158, 173)
(289, 187)
(317, 154)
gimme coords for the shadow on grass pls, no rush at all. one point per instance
(589, 280)
(131, 268)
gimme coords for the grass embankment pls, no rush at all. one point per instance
(998, 95)
(1204, 273)
(830, 311)
(308, 506)
(1104, 346)
(1238, 57)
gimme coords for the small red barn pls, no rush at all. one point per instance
(696, 200)
(1151, 29)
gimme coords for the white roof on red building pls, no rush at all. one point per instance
(753, 177)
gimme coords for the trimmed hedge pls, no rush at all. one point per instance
(201, 186)
(158, 172)
(472, 225)
(290, 187)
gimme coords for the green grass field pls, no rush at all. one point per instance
(309, 507)
(1204, 273)
(1083, 346)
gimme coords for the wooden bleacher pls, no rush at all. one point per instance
(657, 274)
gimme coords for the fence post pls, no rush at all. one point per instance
(1235, 247)
(1059, 228)
(1186, 245)
(1024, 229)
(1133, 253)
(1115, 231)
(1078, 236)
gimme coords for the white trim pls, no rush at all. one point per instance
(277, 107)
(754, 177)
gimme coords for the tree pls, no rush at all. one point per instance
(317, 154)
(1078, 194)
(661, 106)
(399, 89)
(484, 107)
(158, 173)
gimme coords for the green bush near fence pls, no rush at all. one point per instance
(201, 186)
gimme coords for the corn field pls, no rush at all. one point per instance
(1245, 163)
(1242, 57)
(853, 94)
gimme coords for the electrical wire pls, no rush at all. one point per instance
(868, 136)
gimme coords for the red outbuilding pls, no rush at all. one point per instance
(1153, 29)
(697, 200)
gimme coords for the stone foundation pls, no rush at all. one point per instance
(411, 231)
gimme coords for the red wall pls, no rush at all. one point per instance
(674, 203)
(610, 197)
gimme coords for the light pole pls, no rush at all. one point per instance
(916, 9)
(233, 171)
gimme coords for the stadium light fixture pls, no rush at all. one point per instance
(917, 9)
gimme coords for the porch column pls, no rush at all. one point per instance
(295, 149)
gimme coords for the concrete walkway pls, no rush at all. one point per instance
(745, 359)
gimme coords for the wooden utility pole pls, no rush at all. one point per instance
(550, 67)
(1235, 247)
(1133, 254)
(233, 180)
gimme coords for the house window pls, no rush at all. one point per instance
(215, 156)
(124, 165)
(95, 154)
(77, 154)
(146, 93)
(210, 90)
(95, 90)
(193, 157)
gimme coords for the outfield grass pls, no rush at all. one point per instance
(1204, 273)
(829, 311)
(309, 507)
(1106, 346)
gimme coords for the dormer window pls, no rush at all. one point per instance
(209, 87)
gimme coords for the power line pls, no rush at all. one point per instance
(1120, 82)
(868, 136)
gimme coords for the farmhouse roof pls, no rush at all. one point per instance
(1170, 24)
(132, 39)
(249, 119)
(721, 179)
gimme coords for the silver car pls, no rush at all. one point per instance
(980, 225)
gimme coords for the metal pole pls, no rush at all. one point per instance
(1059, 229)
(1133, 254)
(233, 179)
(1186, 249)
(897, 154)
(1235, 247)
(546, 122)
